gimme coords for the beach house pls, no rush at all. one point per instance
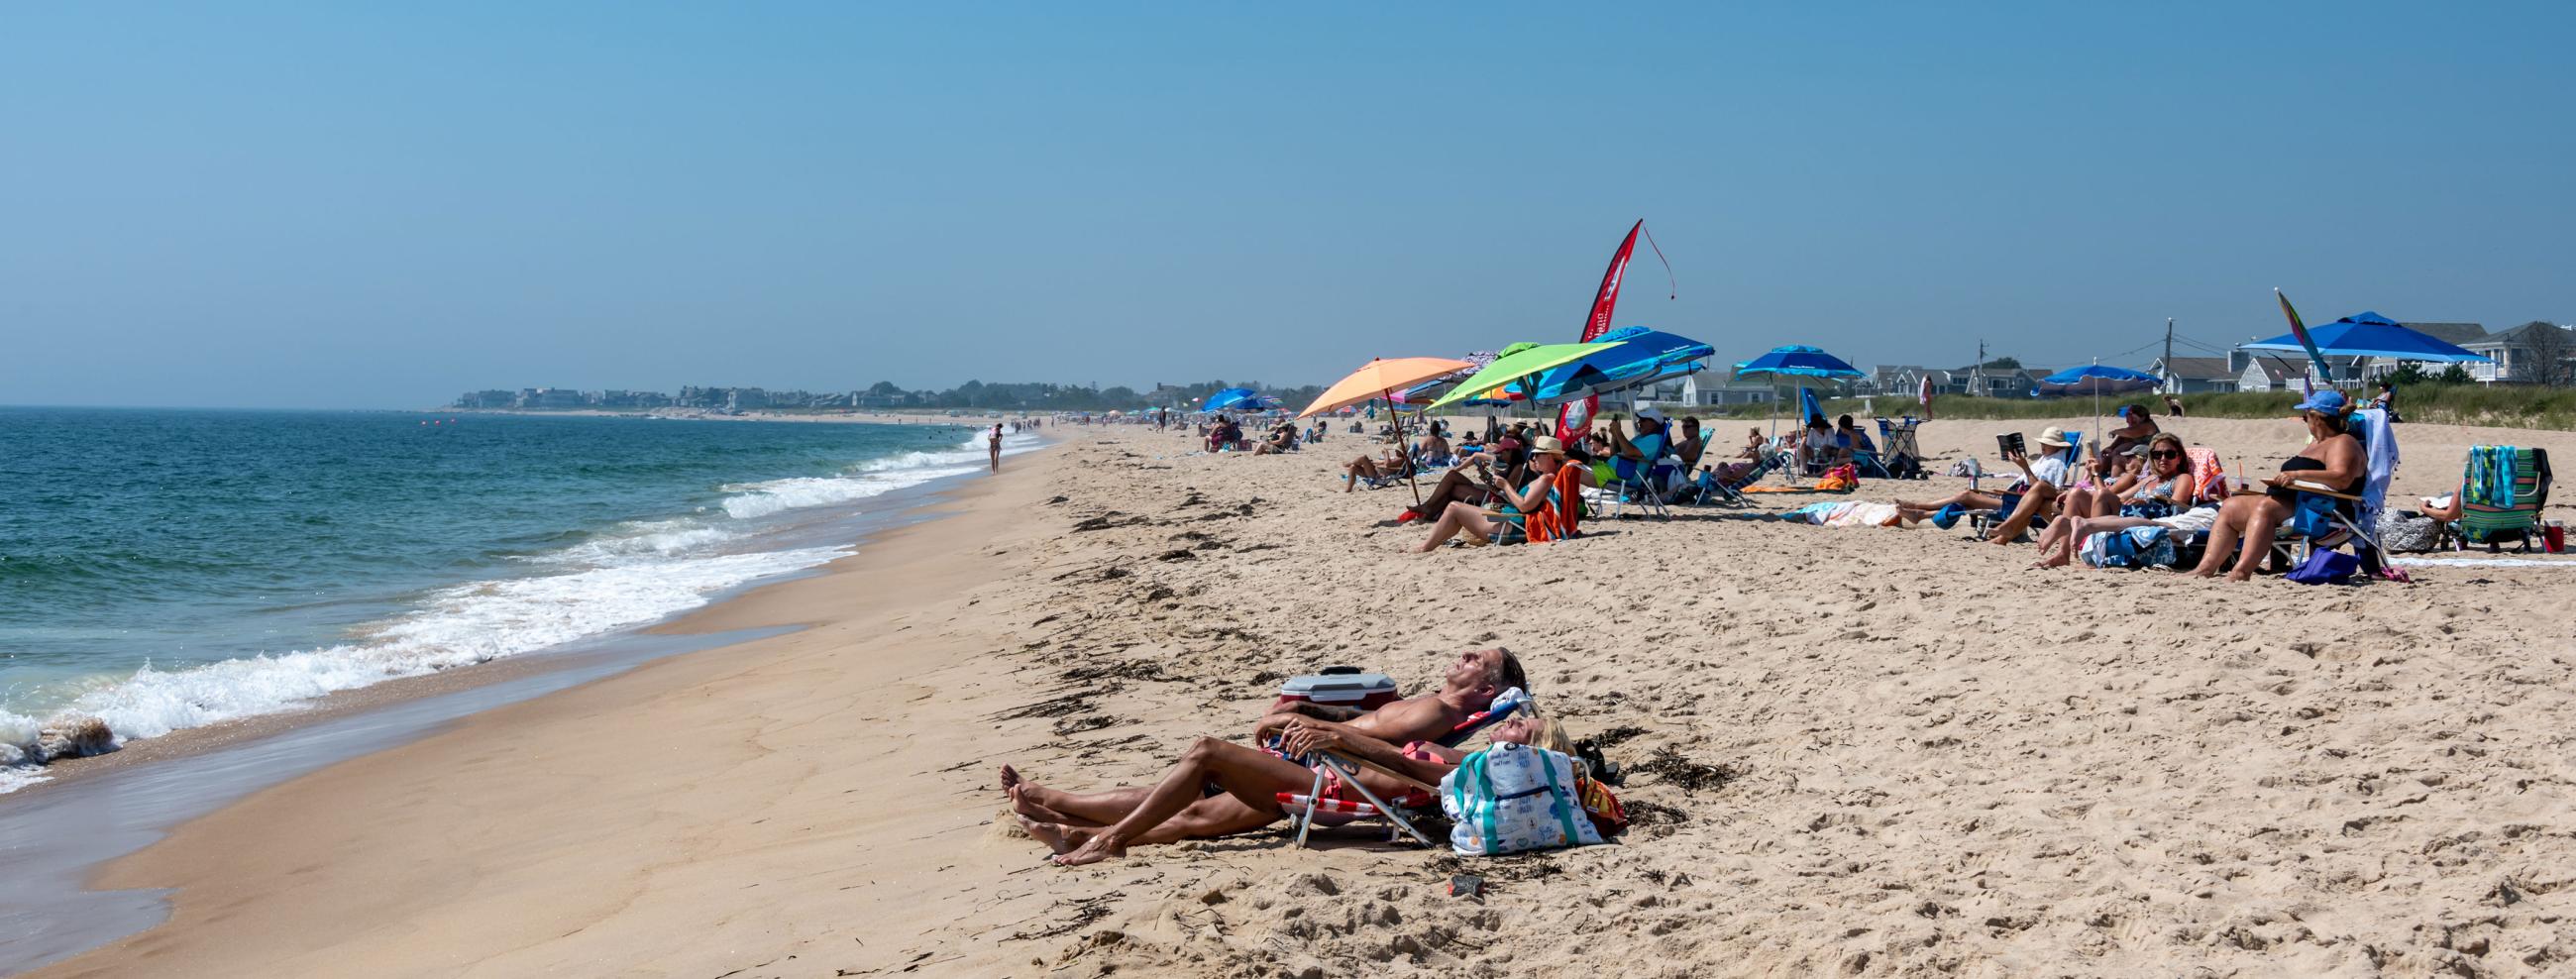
(2524, 355)
(2195, 375)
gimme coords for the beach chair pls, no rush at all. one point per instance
(1308, 809)
(1899, 454)
(1656, 480)
(2325, 509)
(1984, 520)
(2502, 491)
(1709, 489)
(1557, 519)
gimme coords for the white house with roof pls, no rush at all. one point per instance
(2194, 375)
(2516, 354)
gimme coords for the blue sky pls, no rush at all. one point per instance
(373, 206)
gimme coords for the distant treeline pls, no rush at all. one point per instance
(1074, 397)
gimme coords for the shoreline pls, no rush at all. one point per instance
(373, 708)
(1872, 751)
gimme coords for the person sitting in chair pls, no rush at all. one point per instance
(2029, 500)
(1632, 459)
(2137, 428)
(1547, 456)
(2333, 459)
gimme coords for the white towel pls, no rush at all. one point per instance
(2380, 440)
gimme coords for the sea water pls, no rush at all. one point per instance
(165, 569)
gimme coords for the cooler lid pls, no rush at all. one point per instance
(1336, 683)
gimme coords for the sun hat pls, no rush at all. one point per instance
(2329, 401)
(2053, 436)
(1650, 413)
(1547, 445)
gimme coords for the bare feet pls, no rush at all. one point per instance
(1010, 779)
(1057, 836)
(1105, 846)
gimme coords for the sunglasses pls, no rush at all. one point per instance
(2164, 455)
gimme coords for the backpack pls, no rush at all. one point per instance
(1513, 798)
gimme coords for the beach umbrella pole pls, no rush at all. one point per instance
(1398, 417)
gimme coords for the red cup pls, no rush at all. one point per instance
(2553, 538)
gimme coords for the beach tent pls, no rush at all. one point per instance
(1798, 363)
(2369, 334)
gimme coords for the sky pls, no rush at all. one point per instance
(378, 205)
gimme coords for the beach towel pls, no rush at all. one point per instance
(1847, 513)
(2207, 476)
(2136, 547)
(2379, 442)
(1513, 798)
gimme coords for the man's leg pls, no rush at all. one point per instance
(1254, 776)
(2034, 505)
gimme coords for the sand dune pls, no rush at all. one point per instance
(1869, 751)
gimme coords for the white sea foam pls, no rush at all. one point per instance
(638, 573)
(872, 478)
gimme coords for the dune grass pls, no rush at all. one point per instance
(2503, 406)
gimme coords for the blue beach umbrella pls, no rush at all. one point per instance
(1799, 362)
(2371, 335)
(1641, 357)
(1229, 399)
(2097, 379)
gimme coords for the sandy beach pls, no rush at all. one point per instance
(1849, 751)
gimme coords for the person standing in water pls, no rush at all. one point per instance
(993, 444)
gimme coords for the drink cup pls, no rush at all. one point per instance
(2553, 537)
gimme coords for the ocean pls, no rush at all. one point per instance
(166, 569)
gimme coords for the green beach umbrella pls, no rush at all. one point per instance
(1515, 364)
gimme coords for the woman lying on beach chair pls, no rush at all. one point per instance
(1257, 779)
(2334, 460)
(1539, 510)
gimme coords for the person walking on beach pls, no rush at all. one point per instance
(993, 443)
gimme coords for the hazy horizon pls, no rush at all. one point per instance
(267, 205)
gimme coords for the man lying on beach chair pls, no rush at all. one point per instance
(1257, 780)
(1445, 716)
(2032, 499)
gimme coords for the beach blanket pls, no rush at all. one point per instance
(1847, 513)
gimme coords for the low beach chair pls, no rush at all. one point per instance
(1557, 519)
(2502, 491)
(2332, 526)
(1983, 521)
(1308, 809)
(1648, 491)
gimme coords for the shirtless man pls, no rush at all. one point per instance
(1471, 684)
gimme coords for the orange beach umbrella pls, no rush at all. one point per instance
(1381, 378)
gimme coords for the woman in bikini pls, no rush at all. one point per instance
(2333, 458)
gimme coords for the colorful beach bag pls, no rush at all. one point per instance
(1512, 798)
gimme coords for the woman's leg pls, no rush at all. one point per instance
(1457, 518)
(1219, 815)
(2259, 526)
(2233, 518)
(1254, 776)
(2034, 505)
